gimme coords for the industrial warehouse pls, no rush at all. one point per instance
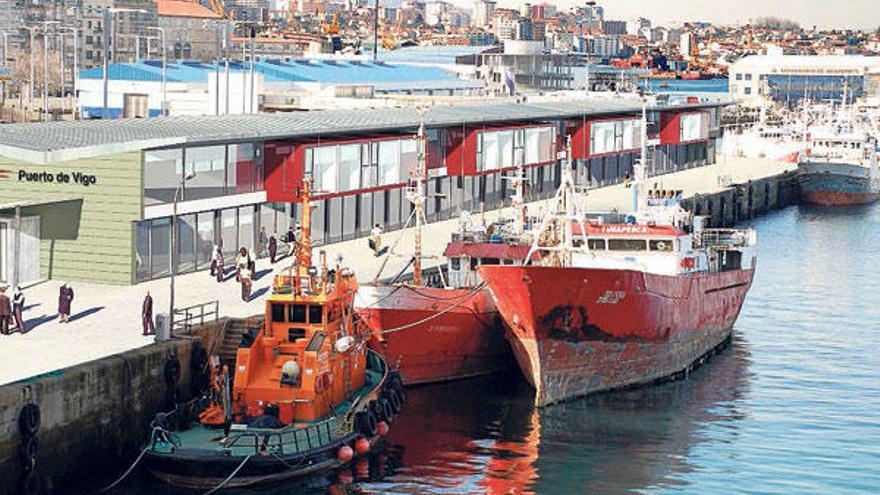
(75, 192)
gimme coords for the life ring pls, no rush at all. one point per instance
(171, 371)
(29, 420)
(661, 246)
(367, 423)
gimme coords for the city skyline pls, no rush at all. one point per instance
(856, 14)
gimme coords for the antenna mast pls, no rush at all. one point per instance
(416, 195)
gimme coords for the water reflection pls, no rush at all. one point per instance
(484, 436)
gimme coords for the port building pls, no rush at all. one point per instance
(77, 192)
(758, 80)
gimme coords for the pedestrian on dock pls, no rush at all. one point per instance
(241, 262)
(65, 299)
(218, 263)
(262, 242)
(273, 248)
(18, 309)
(245, 277)
(627, 181)
(5, 311)
(147, 315)
(214, 254)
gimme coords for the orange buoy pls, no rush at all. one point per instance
(383, 428)
(362, 445)
(345, 453)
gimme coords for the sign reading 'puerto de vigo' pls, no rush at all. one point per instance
(80, 178)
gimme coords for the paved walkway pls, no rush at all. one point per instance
(105, 319)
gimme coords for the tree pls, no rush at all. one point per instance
(21, 71)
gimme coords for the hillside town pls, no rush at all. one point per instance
(57, 55)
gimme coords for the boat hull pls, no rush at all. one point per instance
(836, 184)
(577, 331)
(437, 334)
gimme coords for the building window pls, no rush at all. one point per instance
(747, 90)
(209, 166)
(739, 77)
(748, 77)
(162, 174)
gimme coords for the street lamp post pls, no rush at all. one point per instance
(31, 63)
(46, 68)
(108, 17)
(75, 75)
(161, 31)
(172, 248)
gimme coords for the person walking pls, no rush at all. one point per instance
(65, 298)
(262, 241)
(245, 277)
(273, 248)
(218, 261)
(147, 315)
(241, 258)
(18, 309)
(251, 261)
(214, 254)
(5, 311)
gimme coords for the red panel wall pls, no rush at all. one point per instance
(461, 151)
(283, 169)
(670, 127)
(580, 139)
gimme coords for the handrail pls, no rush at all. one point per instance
(201, 313)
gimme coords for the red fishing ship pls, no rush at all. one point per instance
(610, 305)
(449, 328)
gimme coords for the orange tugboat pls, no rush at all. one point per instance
(304, 397)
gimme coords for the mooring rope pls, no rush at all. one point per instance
(229, 478)
(438, 314)
(125, 475)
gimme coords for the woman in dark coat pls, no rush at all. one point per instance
(65, 298)
(273, 248)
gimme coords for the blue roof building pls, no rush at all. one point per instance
(191, 87)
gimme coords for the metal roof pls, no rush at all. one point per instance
(60, 141)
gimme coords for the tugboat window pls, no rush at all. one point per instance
(294, 334)
(277, 313)
(316, 342)
(490, 261)
(455, 264)
(297, 313)
(316, 314)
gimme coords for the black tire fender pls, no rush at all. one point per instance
(171, 371)
(367, 423)
(394, 399)
(27, 453)
(29, 420)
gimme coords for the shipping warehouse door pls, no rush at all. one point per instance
(136, 106)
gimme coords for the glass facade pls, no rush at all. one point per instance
(790, 89)
(198, 233)
(217, 171)
(511, 148)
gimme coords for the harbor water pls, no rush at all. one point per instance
(791, 405)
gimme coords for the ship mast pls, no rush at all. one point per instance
(416, 195)
(304, 256)
(640, 188)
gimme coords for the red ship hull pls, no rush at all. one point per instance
(838, 198)
(466, 340)
(576, 331)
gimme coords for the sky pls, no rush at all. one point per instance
(854, 14)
